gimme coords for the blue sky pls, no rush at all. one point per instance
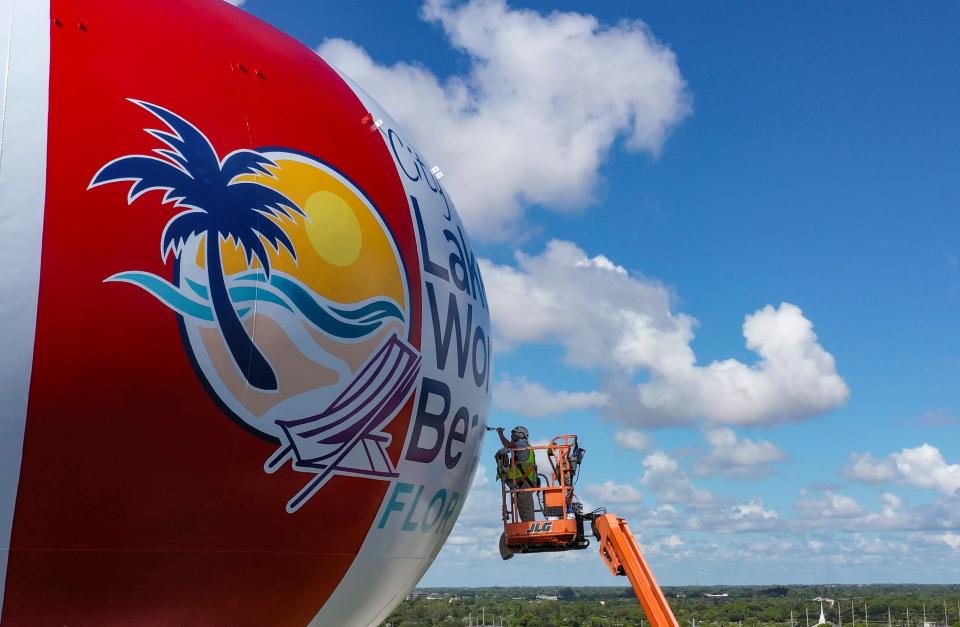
(728, 157)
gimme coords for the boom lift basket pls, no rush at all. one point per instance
(561, 527)
(562, 524)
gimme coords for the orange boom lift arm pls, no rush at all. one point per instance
(620, 550)
(560, 525)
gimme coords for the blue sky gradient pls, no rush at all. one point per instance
(818, 166)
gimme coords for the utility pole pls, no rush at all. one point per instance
(791, 618)
(889, 618)
(866, 617)
(908, 616)
(807, 612)
(853, 617)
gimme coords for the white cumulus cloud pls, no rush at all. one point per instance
(893, 515)
(753, 509)
(749, 517)
(950, 539)
(831, 505)
(794, 377)
(533, 399)
(741, 458)
(671, 485)
(867, 468)
(633, 440)
(609, 319)
(612, 493)
(923, 466)
(533, 118)
(666, 545)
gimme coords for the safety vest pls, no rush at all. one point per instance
(523, 471)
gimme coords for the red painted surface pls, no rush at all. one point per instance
(140, 500)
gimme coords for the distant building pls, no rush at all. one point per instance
(546, 597)
(823, 617)
(722, 595)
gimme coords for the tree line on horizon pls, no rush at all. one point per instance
(744, 606)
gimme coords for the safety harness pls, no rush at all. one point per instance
(523, 472)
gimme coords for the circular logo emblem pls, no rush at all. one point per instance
(292, 296)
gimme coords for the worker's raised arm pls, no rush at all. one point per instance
(507, 443)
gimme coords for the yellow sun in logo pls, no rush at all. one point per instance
(333, 229)
(344, 250)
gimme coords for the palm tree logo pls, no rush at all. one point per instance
(332, 428)
(218, 204)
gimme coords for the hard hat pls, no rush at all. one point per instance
(522, 431)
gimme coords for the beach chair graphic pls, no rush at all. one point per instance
(346, 437)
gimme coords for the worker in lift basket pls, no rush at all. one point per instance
(523, 473)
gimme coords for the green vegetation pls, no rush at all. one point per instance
(744, 606)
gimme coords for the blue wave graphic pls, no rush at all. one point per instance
(244, 294)
(167, 293)
(336, 319)
(339, 321)
(369, 312)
